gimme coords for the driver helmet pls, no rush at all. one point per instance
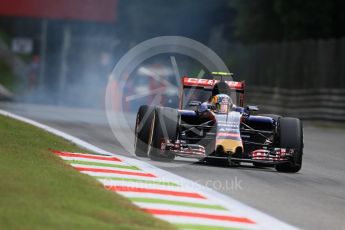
(221, 103)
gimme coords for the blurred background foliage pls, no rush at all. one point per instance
(281, 20)
(287, 44)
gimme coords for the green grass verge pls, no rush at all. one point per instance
(39, 191)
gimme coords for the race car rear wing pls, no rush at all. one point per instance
(207, 84)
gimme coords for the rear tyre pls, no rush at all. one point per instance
(291, 136)
(142, 130)
(163, 127)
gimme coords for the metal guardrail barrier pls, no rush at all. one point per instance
(307, 104)
(5, 94)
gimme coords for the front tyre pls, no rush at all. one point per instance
(142, 130)
(163, 127)
(291, 137)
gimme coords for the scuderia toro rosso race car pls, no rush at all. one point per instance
(210, 126)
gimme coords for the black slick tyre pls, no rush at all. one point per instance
(164, 126)
(291, 136)
(142, 130)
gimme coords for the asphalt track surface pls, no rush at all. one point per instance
(314, 198)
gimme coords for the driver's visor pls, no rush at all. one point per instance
(222, 108)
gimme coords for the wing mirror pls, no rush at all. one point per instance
(194, 103)
(251, 108)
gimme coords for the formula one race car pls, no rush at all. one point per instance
(208, 125)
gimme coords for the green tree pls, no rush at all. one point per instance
(305, 19)
(256, 20)
(277, 20)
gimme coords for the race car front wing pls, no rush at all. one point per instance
(263, 155)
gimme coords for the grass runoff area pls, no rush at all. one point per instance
(39, 191)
